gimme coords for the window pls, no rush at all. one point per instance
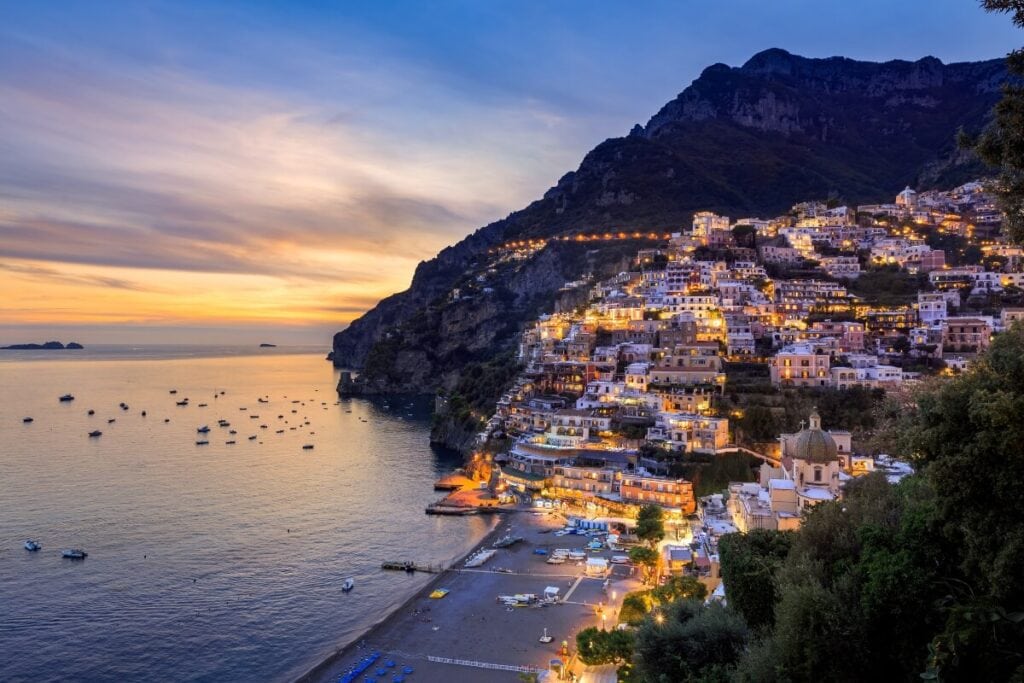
(817, 474)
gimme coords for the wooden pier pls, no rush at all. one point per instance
(412, 567)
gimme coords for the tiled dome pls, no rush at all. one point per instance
(815, 444)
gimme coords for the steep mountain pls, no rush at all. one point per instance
(749, 140)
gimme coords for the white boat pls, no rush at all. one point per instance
(348, 585)
(480, 557)
(74, 554)
(32, 546)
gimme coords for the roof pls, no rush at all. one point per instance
(815, 493)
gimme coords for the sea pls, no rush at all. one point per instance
(215, 562)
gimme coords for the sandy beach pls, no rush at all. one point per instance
(470, 624)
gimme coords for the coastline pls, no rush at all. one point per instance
(320, 670)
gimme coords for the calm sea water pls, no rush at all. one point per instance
(206, 563)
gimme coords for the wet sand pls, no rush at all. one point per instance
(471, 624)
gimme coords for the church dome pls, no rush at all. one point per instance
(815, 444)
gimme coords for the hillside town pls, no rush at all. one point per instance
(619, 399)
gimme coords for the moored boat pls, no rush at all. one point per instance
(33, 546)
(67, 397)
(95, 432)
(74, 554)
(26, 420)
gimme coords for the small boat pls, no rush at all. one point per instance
(27, 420)
(439, 593)
(173, 391)
(232, 431)
(252, 438)
(95, 432)
(507, 541)
(183, 402)
(74, 554)
(229, 443)
(280, 431)
(204, 429)
(202, 405)
(33, 546)
(111, 421)
(167, 419)
(67, 397)
(262, 400)
(307, 447)
(202, 442)
(348, 585)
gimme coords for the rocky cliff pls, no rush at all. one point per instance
(748, 140)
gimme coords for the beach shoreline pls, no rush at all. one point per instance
(474, 633)
(321, 669)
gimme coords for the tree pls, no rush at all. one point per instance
(759, 424)
(966, 437)
(745, 236)
(644, 557)
(689, 641)
(1001, 144)
(901, 345)
(750, 563)
(598, 646)
(679, 588)
(650, 526)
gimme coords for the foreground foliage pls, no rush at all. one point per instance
(918, 580)
(1002, 143)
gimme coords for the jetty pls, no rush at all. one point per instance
(441, 509)
(412, 567)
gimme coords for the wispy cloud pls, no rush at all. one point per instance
(45, 274)
(154, 168)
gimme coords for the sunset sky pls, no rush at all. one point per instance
(213, 172)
